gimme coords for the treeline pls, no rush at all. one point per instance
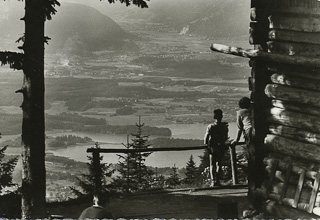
(67, 140)
(174, 142)
(11, 124)
(75, 122)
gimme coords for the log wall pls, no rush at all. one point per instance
(292, 115)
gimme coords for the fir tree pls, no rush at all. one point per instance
(31, 61)
(174, 179)
(143, 175)
(192, 173)
(88, 180)
(6, 169)
(125, 182)
(134, 174)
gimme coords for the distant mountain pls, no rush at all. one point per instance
(75, 29)
(209, 18)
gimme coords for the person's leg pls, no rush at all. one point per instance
(219, 168)
(211, 167)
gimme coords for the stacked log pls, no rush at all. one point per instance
(293, 115)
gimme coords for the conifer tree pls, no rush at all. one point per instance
(134, 174)
(126, 181)
(31, 61)
(192, 173)
(139, 141)
(6, 169)
(87, 182)
(174, 179)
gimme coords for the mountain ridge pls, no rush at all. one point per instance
(71, 32)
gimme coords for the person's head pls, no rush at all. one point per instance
(99, 199)
(244, 103)
(217, 114)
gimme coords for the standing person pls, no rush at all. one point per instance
(215, 138)
(244, 121)
(96, 211)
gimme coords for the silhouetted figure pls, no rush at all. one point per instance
(244, 121)
(215, 138)
(96, 211)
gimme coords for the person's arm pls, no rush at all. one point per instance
(239, 130)
(206, 136)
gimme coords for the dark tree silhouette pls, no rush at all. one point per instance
(174, 179)
(31, 61)
(192, 173)
(6, 169)
(88, 180)
(134, 174)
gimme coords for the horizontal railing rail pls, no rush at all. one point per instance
(97, 150)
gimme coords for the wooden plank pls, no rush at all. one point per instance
(292, 148)
(296, 107)
(282, 166)
(283, 211)
(294, 36)
(300, 96)
(295, 23)
(292, 48)
(299, 189)
(233, 161)
(286, 183)
(297, 4)
(103, 150)
(265, 56)
(294, 119)
(295, 133)
(272, 173)
(297, 82)
(305, 71)
(297, 11)
(314, 193)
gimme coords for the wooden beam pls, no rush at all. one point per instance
(297, 11)
(278, 58)
(294, 49)
(305, 71)
(295, 133)
(297, 82)
(299, 189)
(294, 36)
(103, 150)
(296, 4)
(294, 119)
(314, 193)
(293, 148)
(300, 96)
(296, 107)
(294, 23)
(286, 183)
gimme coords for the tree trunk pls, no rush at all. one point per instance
(33, 128)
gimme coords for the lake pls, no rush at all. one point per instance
(156, 159)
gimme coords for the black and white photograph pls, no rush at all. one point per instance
(159, 109)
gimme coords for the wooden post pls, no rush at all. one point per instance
(233, 165)
(96, 170)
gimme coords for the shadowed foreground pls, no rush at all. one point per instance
(178, 204)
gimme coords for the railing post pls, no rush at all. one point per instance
(96, 170)
(233, 164)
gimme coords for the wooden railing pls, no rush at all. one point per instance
(96, 157)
